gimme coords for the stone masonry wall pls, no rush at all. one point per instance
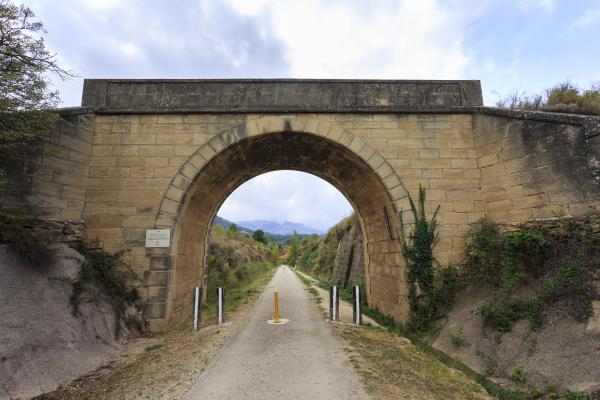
(56, 182)
(537, 168)
(134, 157)
(120, 170)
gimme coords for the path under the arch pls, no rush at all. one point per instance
(302, 359)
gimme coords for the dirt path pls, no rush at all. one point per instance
(159, 368)
(302, 359)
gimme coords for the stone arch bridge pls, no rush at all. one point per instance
(164, 154)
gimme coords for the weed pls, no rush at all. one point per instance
(417, 249)
(574, 395)
(517, 374)
(457, 339)
(564, 97)
(153, 347)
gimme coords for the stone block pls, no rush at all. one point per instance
(155, 310)
(156, 278)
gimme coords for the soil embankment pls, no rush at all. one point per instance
(41, 342)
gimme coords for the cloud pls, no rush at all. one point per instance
(157, 39)
(287, 196)
(546, 6)
(590, 17)
(404, 39)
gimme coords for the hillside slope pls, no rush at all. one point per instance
(41, 343)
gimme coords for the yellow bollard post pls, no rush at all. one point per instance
(276, 299)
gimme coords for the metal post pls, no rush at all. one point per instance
(356, 311)
(196, 313)
(220, 303)
(276, 301)
(334, 303)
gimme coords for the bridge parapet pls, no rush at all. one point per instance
(280, 95)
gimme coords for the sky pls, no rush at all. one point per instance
(287, 196)
(523, 45)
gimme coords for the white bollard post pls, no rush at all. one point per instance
(196, 313)
(334, 303)
(220, 304)
(356, 311)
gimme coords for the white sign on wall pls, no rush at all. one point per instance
(158, 237)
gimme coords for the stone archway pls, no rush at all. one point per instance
(272, 143)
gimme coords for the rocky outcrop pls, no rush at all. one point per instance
(349, 267)
(357, 267)
(343, 257)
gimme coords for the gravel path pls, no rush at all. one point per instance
(299, 360)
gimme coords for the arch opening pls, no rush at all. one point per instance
(300, 151)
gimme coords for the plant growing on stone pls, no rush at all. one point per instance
(417, 249)
(113, 274)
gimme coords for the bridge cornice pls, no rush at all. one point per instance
(279, 95)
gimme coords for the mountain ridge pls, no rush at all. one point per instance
(281, 228)
(269, 226)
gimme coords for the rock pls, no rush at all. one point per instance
(593, 324)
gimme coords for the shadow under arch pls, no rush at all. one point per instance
(229, 159)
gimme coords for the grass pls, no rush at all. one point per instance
(239, 291)
(315, 294)
(308, 282)
(153, 347)
(388, 368)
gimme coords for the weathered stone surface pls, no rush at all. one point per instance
(343, 257)
(277, 95)
(356, 276)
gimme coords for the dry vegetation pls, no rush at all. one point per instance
(392, 369)
(565, 97)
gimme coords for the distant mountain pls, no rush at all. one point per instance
(225, 223)
(273, 237)
(280, 228)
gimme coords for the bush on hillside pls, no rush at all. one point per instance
(559, 261)
(317, 254)
(564, 97)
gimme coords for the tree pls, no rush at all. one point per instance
(232, 229)
(259, 236)
(294, 250)
(26, 97)
(275, 253)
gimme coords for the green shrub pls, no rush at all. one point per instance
(517, 374)
(573, 395)
(483, 253)
(561, 259)
(457, 339)
(113, 274)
